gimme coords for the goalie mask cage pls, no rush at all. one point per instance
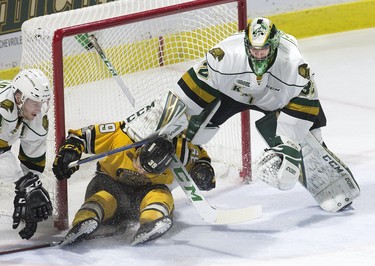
(150, 44)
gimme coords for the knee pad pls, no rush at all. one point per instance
(102, 203)
(156, 204)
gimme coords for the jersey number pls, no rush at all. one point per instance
(105, 128)
(203, 70)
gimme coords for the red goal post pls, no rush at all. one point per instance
(66, 69)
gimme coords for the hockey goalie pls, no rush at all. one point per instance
(262, 69)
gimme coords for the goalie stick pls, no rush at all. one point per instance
(208, 213)
(89, 42)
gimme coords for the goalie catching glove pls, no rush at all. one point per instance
(203, 175)
(279, 166)
(69, 152)
(32, 204)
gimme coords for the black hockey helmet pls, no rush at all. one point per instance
(156, 156)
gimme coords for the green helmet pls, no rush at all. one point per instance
(261, 42)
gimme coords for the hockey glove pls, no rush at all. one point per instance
(279, 166)
(32, 204)
(203, 175)
(69, 152)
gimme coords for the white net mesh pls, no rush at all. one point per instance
(150, 55)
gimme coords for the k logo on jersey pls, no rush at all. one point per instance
(242, 90)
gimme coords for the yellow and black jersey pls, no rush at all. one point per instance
(105, 137)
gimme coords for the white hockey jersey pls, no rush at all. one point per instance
(32, 136)
(287, 86)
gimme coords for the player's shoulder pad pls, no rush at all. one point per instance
(8, 108)
(217, 53)
(8, 105)
(226, 56)
(5, 84)
(290, 66)
(304, 70)
(5, 101)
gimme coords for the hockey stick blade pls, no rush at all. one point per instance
(238, 215)
(208, 213)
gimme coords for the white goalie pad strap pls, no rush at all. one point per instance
(275, 171)
(328, 180)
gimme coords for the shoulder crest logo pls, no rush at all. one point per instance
(7, 105)
(45, 122)
(217, 53)
(304, 71)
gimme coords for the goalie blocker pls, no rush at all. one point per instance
(324, 175)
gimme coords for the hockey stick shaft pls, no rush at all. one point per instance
(18, 249)
(107, 153)
(208, 213)
(89, 41)
(174, 124)
(33, 247)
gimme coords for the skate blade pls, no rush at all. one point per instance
(86, 228)
(160, 228)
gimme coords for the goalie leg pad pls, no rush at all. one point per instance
(164, 115)
(327, 179)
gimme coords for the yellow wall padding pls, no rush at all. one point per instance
(328, 19)
(306, 23)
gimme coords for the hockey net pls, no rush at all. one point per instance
(150, 44)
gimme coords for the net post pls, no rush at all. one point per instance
(61, 220)
(245, 172)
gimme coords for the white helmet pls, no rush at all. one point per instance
(33, 84)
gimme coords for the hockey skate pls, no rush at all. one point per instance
(80, 231)
(152, 230)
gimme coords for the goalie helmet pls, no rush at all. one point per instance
(261, 42)
(33, 84)
(156, 156)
